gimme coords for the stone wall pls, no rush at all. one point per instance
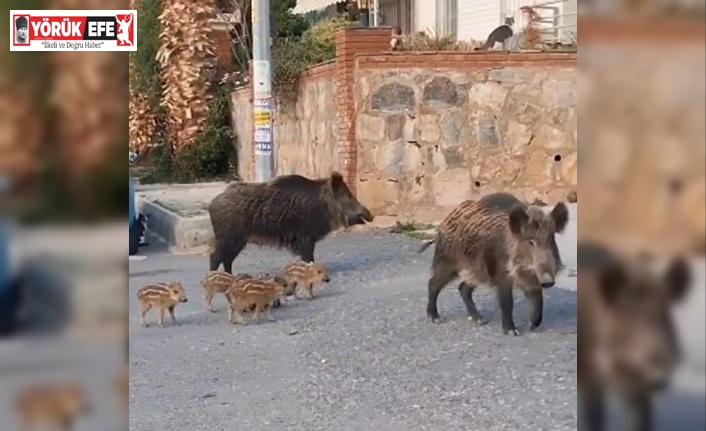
(471, 124)
(305, 134)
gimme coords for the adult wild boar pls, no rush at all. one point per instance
(502, 242)
(626, 337)
(290, 212)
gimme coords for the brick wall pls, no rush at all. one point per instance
(349, 43)
(464, 60)
(224, 54)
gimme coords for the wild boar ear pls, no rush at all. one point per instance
(337, 181)
(560, 215)
(678, 279)
(517, 219)
(612, 281)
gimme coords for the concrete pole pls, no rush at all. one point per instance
(262, 91)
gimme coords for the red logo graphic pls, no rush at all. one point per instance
(126, 30)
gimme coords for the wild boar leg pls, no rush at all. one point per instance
(161, 317)
(256, 313)
(441, 277)
(208, 299)
(173, 317)
(216, 256)
(143, 312)
(593, 409)
(229, 255)
(535, 305)
(235, 311)
(466, 292)
(305, 250)
(268, 314)
(641, 411)
(505, 301)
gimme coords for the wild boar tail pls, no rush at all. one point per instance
(426, 245)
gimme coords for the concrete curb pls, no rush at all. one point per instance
(193, 234)
(183, 233)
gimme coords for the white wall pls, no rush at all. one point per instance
(425, 16)
(477, 18)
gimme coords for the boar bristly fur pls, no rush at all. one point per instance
(305, 275)
(163, 296)
(257, 292)
(627, 341)
(501, 242)
(218, 282)
(291, 212)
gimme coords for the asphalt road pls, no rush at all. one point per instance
(362, 356)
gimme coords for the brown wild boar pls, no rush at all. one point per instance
(238, 284)
(502, 242)
(627, 342)
(257, 292)
(304, 274)
(164, 296)
(290, 212)
(55, 406)
(218, 282)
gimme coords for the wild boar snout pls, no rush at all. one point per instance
(358, 214)
(547, 284)
(546, 278)
(536, 257)
(353, 212)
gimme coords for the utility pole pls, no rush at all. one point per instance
(262, 91)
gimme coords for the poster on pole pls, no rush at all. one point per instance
(262, 120)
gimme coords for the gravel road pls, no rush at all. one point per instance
(362, 356)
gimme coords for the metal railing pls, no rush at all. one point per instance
(558, 18)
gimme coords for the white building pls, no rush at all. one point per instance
(466, 19)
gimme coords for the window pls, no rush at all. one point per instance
(397, 13)
(446, 18)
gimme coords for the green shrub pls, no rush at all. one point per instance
(145, 79)
(292, 57)
(322, 36)
(211, 156)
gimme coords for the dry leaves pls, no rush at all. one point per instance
(186, 55)
(89, 94)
